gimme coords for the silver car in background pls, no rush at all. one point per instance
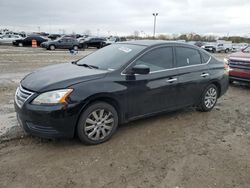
(9, 38)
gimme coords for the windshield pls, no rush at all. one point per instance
(247, 50)
(111, 39)
(111, 57)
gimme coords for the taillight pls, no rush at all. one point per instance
(226, 66)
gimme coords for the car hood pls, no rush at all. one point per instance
(59, 76)
(239, 55)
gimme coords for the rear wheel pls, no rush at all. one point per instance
(84, 46)
(226, 50)
(52, 47)
(97, 123)
(208, 98)
(75, 48)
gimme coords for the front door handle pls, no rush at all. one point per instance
(204, 75)
(170, 80)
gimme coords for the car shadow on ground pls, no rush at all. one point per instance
(122, 130)
(240, 85)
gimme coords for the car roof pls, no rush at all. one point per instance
(149, 43)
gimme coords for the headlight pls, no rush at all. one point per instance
(53, 97)
(226, 60)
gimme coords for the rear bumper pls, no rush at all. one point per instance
(224, 83)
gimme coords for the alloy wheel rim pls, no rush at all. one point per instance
(99, 124)
(210, 97)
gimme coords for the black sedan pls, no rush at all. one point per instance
(95, 42)
(117, 84)
(28, 41)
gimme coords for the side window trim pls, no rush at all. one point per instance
(123, 72)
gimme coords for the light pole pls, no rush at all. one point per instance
(155, 14)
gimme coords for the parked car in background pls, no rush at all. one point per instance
(239, 64)
(112, 40)
(54, 36)
(219, 46)
(117, 84)
(22, 34)
(96, 42)
(239, 47)
(9, 38)
(199, 43)
(61, 43)
(28, 40)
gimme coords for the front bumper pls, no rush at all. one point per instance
(48, 121)
(239, 75)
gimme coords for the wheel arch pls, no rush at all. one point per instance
(101, 98)
(217, 84)
(52, 45)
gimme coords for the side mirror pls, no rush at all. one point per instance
(140, 69)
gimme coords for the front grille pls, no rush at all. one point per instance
(240, 63)
(22, 95)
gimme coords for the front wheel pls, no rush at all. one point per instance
(208, 98)
(20, 44)
(97, 123)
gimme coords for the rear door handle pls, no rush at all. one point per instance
(204, 75)
(170, 80)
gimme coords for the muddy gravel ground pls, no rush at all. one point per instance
(184, 149)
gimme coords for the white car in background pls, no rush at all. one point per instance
(9, 38)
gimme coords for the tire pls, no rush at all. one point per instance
(20, 44)
(100, 46)
(52, 47)
(92, 129)
(213, 50)
(226, 51)
(231, 81)
(208, 99)
(75, 48)
(84, 46)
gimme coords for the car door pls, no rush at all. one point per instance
(155, 91)
(27, 41)
(94, 42)
(62, 43)
(193, 75)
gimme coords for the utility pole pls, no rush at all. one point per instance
(155, 14)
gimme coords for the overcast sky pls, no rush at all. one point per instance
(123, 17)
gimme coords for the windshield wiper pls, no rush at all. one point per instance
(88, 66)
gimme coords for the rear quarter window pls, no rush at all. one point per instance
(205, 57)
